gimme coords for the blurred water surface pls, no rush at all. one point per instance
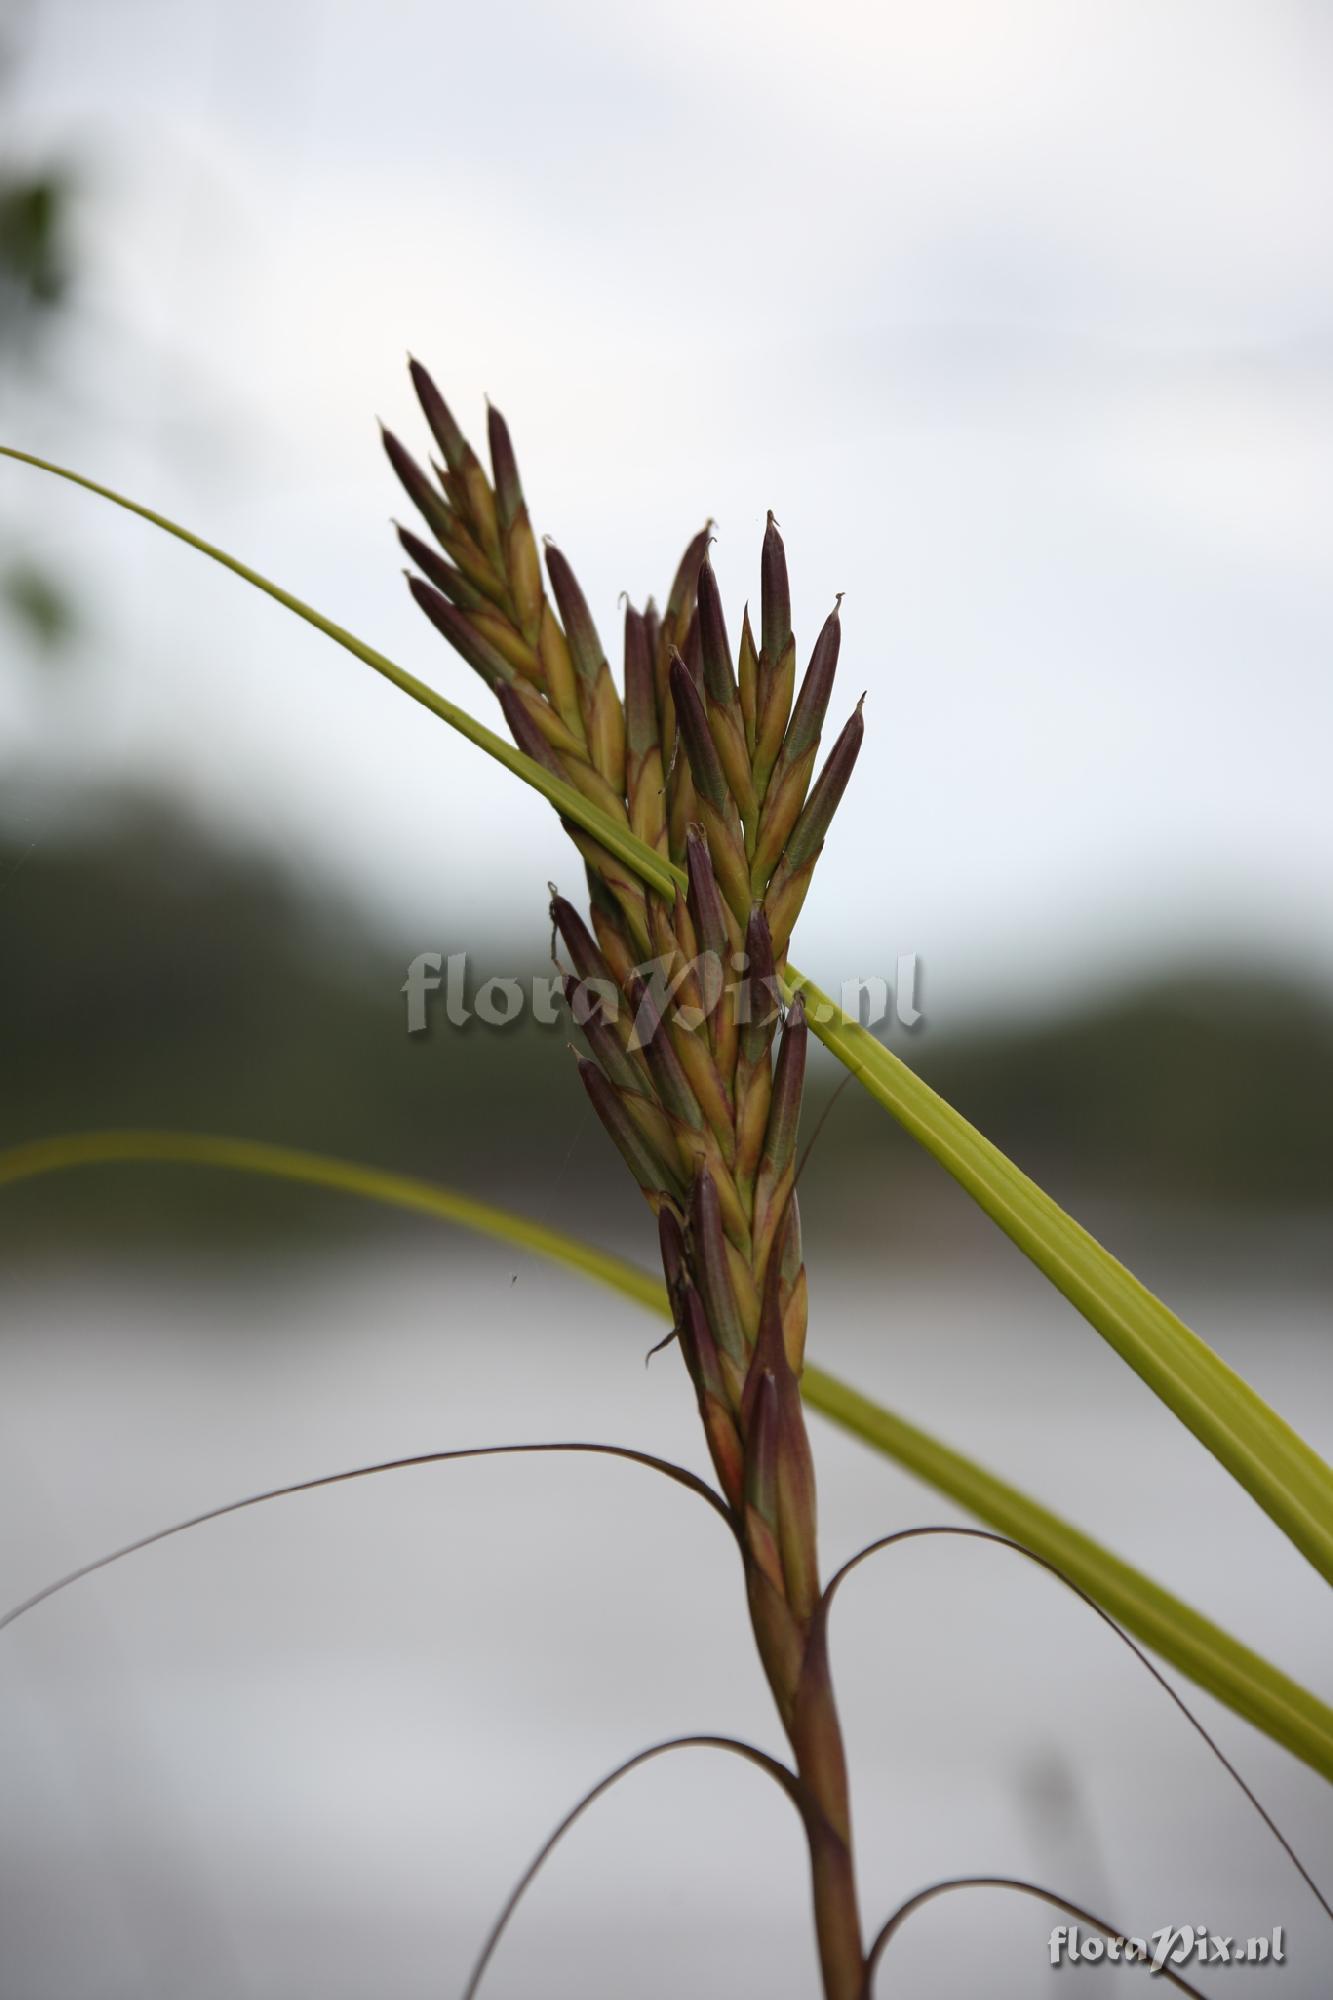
(309, 1748)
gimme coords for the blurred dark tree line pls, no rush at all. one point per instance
(154, 975)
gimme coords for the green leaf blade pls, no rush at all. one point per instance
(1230, 1671)
(1209, 1656)
(1287, 1477)
(567, 800)
(1292, 1483)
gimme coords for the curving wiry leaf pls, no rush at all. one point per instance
(785, 1779)
(1015, 1884)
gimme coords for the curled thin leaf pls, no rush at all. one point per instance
(785, 1779)
(904, 1535)
(689, 1480)
(1020, 1887)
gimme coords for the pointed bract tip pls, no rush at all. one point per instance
(760, 968)
(657, 1346)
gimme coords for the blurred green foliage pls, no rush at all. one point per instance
(39, 604)
(36, 286)
(35, 256)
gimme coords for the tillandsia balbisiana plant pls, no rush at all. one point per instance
(695, 808)
(691, 1067)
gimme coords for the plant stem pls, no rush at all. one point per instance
(810, 1717)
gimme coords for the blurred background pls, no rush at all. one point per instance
(1021, 320)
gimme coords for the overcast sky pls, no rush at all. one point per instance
(1020, 317)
